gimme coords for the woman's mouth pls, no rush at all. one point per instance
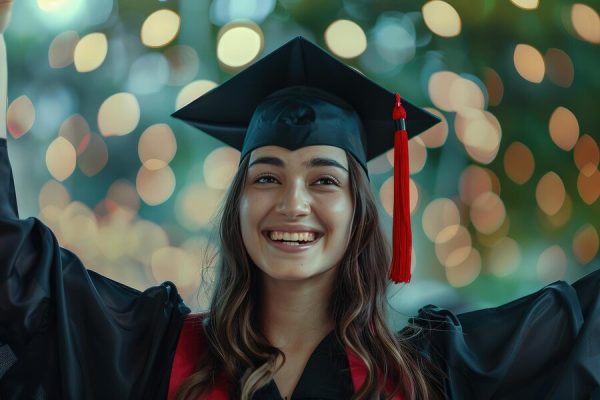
(292, 241)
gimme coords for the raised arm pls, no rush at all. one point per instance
(5, 10)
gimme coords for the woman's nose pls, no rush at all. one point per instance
(294, 200)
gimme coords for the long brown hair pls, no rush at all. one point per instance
(239, 351)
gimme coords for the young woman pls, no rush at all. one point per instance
(298, 310)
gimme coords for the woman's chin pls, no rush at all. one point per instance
(295, 273)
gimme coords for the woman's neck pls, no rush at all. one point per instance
(296, 313)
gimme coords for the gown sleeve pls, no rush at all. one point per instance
(70, 333)
(542, 346)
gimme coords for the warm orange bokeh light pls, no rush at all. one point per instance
(550, 193)
(564, 128)
(585, 243)
(559, 67)
(529, 63)
(519, 162)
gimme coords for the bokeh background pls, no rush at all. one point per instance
(504, 192)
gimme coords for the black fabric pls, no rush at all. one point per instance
(325, 377)
(542, 346)
(76, 334)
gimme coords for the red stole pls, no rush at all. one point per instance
(190, 343)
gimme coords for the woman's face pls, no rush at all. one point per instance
(296, 210)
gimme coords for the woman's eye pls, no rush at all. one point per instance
(265, 179)
(327, 180)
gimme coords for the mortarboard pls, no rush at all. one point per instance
(300, 95)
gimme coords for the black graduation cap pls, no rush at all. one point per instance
(225, 112)
(300, 95)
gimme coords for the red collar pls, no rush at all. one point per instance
(191, 341)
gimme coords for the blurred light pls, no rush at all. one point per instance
(585, 243)
(586, 154)
(401, 49)
(62, 48)
(496, 188)
(145, 237)
(441, 18)
(586, 22)
(123, 194)
(148, 74)
(53, 194)
(417, 155)
(183, 64)
(453, 245)
(492, 239)
(564, 128)
(559, 67)
(465, 93)
(160, 28)
(519, 162)
(466, 272)
(196, 205)
(439, 214)
(504, 257)
(157, 146)
(20, 116)
(114, 238)
(155, 187)
(53, 104)
(474, 181)
(118, 115)
(529, 63)
(52, 5)
(239, 43)
(224, 11)
(588, 185)
(526, 4)
(220, 166)
(563, 215)
(552, 264)
(174, 264)
(50, 216)
(494, 86)
(439, 89)
(60, 158)
(550, 193)
(90, 52)
(386, 195)
(95, 156)
(480, 133)
(77, 131)
(487, 212)
(60, 12)
(345, 38)
(437, 134)
(79, 228)
(192, 91)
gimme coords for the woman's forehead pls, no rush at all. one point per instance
(301, 155)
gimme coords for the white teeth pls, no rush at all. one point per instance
(292, 236)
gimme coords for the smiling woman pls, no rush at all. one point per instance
(296, 211)
(303, 254)
(299, 304)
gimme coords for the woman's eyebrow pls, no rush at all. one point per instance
(324, 162)
(313, 162)
(268, 160)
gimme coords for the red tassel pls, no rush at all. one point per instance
(401, 231)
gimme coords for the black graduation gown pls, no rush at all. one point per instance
(69, 333)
